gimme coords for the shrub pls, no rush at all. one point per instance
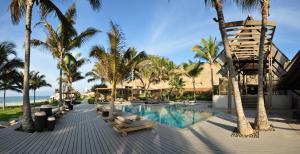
(91, 100)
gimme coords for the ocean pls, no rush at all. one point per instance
(18, 100)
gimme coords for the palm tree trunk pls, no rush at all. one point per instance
(132, 76)
(212, 76)
(229, 95)
(243, 125)
(261, 120)
(60, 78)
(71, 98)
(4, 94)
(27, 123)
(34, 97)
(112, 103)
(194, 89)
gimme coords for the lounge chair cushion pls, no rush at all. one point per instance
(123, 119)
(133, 117)
(139, 123)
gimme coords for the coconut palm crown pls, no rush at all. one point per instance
(111, 63)
(62, 40)
(8, 68)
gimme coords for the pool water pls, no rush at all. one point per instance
(171, 115)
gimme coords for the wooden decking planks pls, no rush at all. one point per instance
(82, 131)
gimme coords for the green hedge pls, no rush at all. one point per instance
(91, 100)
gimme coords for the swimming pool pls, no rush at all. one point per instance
(171, 115)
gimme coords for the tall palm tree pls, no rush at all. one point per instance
(61, 41)
(19, 9)
(70, 66)
(261, 120)
(112, 62)
(37, 81)
(8, 68)
(132, 59)
(243, 124)
(162, 67)
(192, 70)
(145, 72)
(8, 82)
(208, 50)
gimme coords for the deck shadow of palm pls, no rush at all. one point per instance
(213, 146)
(227, 127)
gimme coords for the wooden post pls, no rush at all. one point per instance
(246, 87)
(270, 87)
(243, 87)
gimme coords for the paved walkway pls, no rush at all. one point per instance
(81, 131)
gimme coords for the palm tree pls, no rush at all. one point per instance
(8, 82)
(70, 66)
(176, 85)
(243, 124)
(37, 81)
(162, 67)
(19, 8)
(192, 70)
(95, 73)
(145, 72)
(8, 68)
(112, 64)
(208, 50)
(63, 40)
(132, 59)
(261, 120)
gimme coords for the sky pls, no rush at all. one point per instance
(159, 27)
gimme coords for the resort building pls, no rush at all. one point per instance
(281, 88)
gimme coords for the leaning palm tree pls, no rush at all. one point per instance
(208, 50)
(261, 120)
(243, 124)
(112, 62)
(8, 68)
(192, 70)
(37, 81)
(61, 41)
(133, 58)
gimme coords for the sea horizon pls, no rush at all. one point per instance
(18, 100)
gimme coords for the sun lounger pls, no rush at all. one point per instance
(124, 126)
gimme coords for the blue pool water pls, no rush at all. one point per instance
(172, 115)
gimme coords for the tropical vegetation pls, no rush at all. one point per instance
(110, 64)
(9, 68)
(193, 70)
(63, 40)
(37, 81)
(208, 50)
(19, 9)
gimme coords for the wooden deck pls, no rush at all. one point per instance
(81, 131)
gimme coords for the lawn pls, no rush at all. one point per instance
(11, 112)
